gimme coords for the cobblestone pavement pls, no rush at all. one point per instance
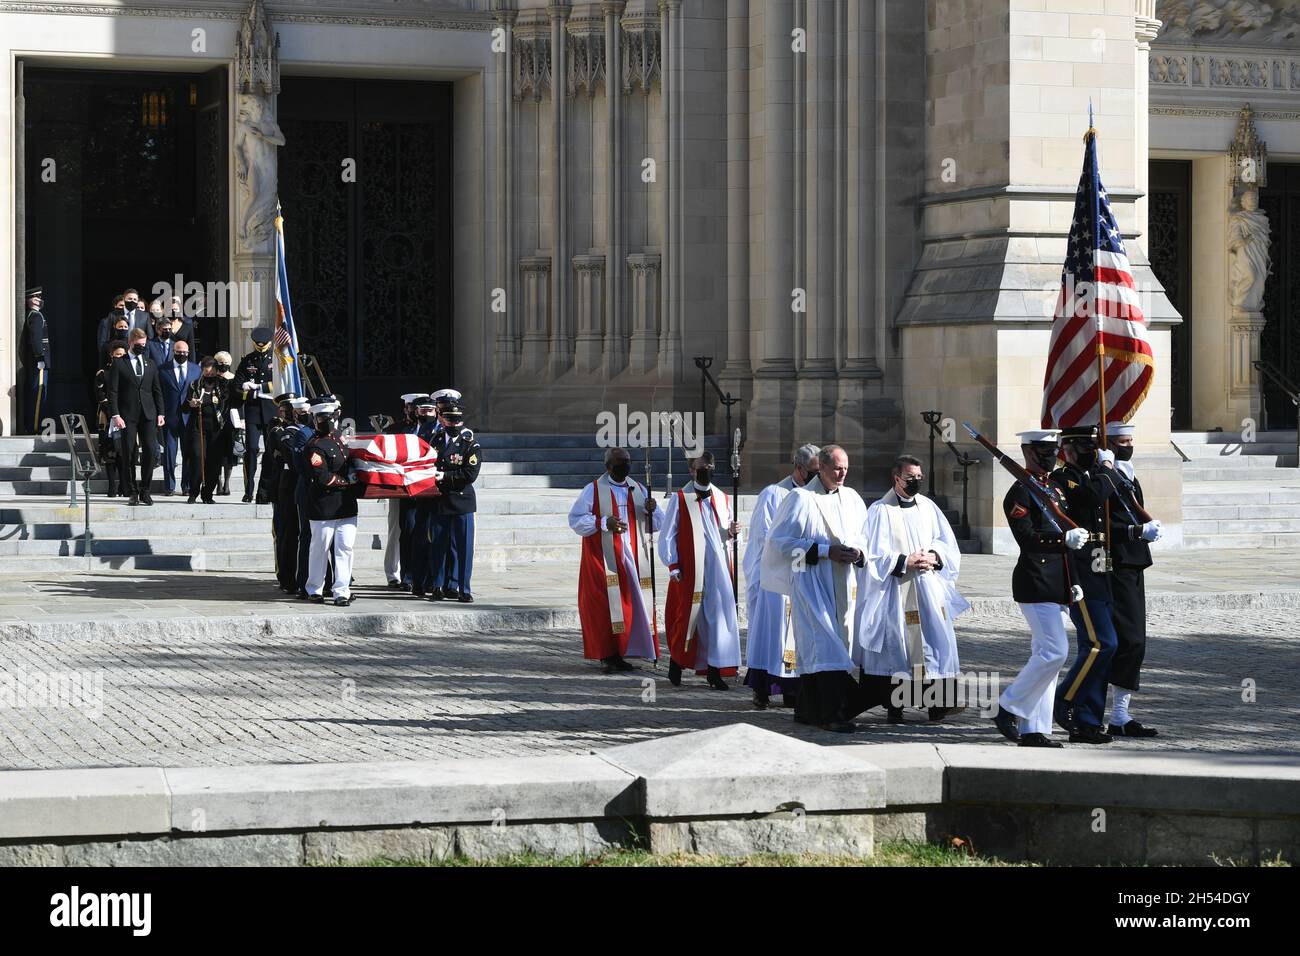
(202, 702)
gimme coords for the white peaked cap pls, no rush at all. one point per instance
(1038, 435)
(451, 393)
(1119, 430)
(322, 408)
(300, 403)
(410, 397)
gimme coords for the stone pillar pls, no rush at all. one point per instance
(561, 341)
(507, 349)
(616, 334)
(643, 273)
(737, 366)
(589, 279)
(776, 326)
(1146, 27)
(1244, 395)
(536, 299)
(670, 346)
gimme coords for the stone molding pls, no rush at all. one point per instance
(1195, 69)
(226, 11)
(1224, 112)
(531, 56)
(641, 49)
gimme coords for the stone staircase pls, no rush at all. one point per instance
(525, 490)
(1240, 494)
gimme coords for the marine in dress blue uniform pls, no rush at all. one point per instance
(275, 474)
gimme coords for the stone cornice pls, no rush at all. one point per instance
(440, 20)
(1224, 112)
(1033, 193)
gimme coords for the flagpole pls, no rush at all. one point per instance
(1096, 313)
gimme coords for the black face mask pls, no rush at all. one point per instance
(1123, 452)
(1046, 460)
(454, 428)
(182, 357)
(1085, 458)
(223, 368)
(620, 470)
(324, 426)
(138, 349)
(911, 486)
(703, 476)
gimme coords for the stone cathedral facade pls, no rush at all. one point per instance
(854, 210)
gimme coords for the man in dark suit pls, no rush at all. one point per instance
(176, 374)
(451, 532)
(136, 317)
(135, 404)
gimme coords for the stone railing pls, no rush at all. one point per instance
(1218, 70)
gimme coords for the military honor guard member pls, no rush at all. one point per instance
(1085, 481)
(284, 521)
(814, 556)
(451, 532)
(401, 514)
(700, 614)
(257, 409)
(302, 491)
(1041, 586)
(418, 570)
(331, 507)
(36, 361)
(1130, 551)
(614, 516)
(287, 440)
(905, 622)
(770, 650)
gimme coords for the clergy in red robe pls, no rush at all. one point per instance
(700, 616)
(615, 518)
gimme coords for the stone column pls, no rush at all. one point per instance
(589, 278)
(1244, 392)
(670, 346)
(1146, 27)
(643, 272)
(616, 334)
(819, 191)
(776, 327)
(507, 353)
(536, 299)
(561, 341)
(737, 366)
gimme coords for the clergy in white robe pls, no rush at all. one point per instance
(769, 647)
(814, 555)
(700, 613)
(614, 517)
(905, 622)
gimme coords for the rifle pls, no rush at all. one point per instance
(1025, 478)
(1130, 496)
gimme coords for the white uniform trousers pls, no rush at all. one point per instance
(340, 534)
(393, 547)
(1032, 694)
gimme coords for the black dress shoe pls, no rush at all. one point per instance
(1063, 716)
(224, 489)
(760, 699)
(465, 598)
(1039, 740)
(623, 665)
(419, 592)
(1005, 721)
(451, 594)
(674, 674)
(434, 595)
(894, 715)
(714, 677)
(209, 501)
(840, 727)
(133, 500)
(608, 665)
(262, 499)
(1083, 734)
(316, 598)
(405, 587)
(169, 492)
(300, 594)
(343, 601)
(191, 499)
(146, 498)
(395, 585)
(247, 497)
(1131, 729)
(937, 714)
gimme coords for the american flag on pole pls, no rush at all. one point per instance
(286, 375)
(394, 466)
(1098, 320)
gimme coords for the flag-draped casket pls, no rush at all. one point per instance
(394, 466)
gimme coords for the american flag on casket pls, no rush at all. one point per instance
(394, 466)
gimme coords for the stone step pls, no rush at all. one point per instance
(1221, 512)
(1289, 540)
(1183, 439)
(1232, 452)
(1241, 471)
(1254, 524)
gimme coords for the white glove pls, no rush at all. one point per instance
(1105, 457)
(676, 575)
(40, 365)
(1152, 530)
(1076, 538)
(1076, 594)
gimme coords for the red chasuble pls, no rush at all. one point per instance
(598, 638)
(681, 593)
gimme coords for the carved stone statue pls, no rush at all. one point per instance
(1248, 243)
(256, 137)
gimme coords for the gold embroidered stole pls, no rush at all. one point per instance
(606, 507)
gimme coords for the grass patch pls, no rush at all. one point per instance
(887, 854)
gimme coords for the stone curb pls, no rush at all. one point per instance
(488, 620)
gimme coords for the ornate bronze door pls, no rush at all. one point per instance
(1280, 341)
(365, 186)
(1169, 224)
